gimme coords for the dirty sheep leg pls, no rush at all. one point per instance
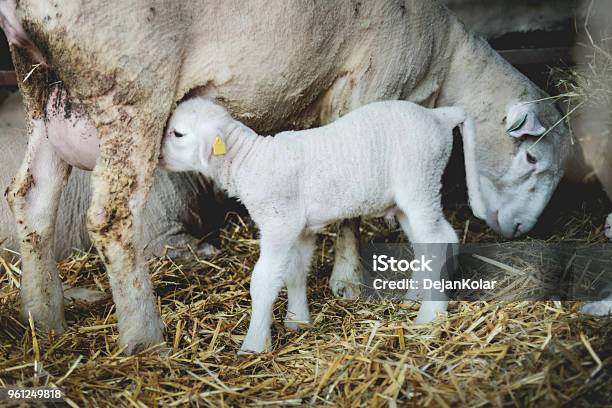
(34, 197)
(428, 231)
(295, 281)
(121, 180)
(276, 250)
(347, 276)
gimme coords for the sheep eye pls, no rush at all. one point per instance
(177, 134)
(531, 159)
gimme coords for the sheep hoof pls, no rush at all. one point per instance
(45, 319)
(242, 352)
(247, 351)
(428, 314)
(76, 294)
(344, 289)
(135, 349)
(56, 325)
(158, 348)
(255, 343)
(295, 325)
(345, 281)
(599, 308)
(141, 335)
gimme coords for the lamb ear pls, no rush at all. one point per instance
(522, 120)
(205, 152)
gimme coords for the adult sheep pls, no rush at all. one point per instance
(274, 65)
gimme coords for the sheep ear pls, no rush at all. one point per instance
(522, 120)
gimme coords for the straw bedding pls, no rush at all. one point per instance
(355, 353)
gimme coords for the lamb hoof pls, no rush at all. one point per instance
(246, 351)
(242, 352)
(599, 308)
(253, 344)
(429, 314)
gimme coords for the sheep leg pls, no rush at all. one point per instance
(34, 197)
(276, 249)
(295, 280)
(428, 231)
(121, 180)
(347, 276)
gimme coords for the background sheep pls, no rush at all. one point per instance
(385, 158)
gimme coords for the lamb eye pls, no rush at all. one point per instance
(531, 159)
(178, 134)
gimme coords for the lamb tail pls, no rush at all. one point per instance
(468, 134)
(457, 116)
(452, 115)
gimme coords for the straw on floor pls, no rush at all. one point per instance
(354, 354)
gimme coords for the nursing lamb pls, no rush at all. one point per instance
(386, 158)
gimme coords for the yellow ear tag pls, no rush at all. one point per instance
(218, 147)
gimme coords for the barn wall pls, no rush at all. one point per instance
(592, 125)
(494, 18)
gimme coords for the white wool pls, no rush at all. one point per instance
(355, 166)
(383, 159)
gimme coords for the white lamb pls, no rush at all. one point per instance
(385, 158)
